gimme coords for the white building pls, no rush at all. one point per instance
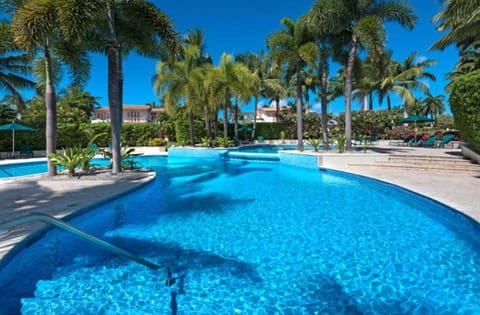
(130, 113)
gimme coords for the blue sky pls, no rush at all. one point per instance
(239, 26)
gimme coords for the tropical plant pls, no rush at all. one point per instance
(294, 47)
(315, 143)
(117, 28)
(70, 159)
(180, 82)
(224, 142)
(126, 153)
(460, 19)
(14, 66)
(53, 26)
(433, 105)
(364, 22)
(341, 143)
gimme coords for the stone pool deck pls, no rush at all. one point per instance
(63, 196)
(58, 196)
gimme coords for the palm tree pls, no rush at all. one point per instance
(330, 40)
(117, 28)
(294, 47)
(180, 82)
(51, 26)
(364, 21)
(461, 18)
(433, 105)
(13, 68)
(257, 64)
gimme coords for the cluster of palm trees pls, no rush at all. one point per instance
(68, 30)
(297, 61)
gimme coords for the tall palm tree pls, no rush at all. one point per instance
(225, 81)
(403, 78)
(433, 105)
(295, 47)
(119, 27)
(330, 39)
(180, 82)
(364, 21)
(461, 20)
(257, 64)
(14, 66)
(52, 27)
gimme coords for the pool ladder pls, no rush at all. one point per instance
(82, 234)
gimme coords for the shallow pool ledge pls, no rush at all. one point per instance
(192, 152)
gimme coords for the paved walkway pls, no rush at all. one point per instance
(61, 196)
(457, 190)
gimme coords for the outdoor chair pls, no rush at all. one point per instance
(26, 151)
(404, 142)
(429, 143)
(446, 140)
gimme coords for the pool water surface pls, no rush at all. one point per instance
(255, 238)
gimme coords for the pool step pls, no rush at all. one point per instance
(101, 291)
(426, 163)
(251, 156)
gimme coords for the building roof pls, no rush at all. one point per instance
(272, 109)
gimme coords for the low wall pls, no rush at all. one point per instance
(299, 159)
(344, 159)
(470, 154)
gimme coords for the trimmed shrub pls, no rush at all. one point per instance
(465, 105)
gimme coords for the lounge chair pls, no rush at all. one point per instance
(404, 142)
(26, 151)
(429, 143)
(446, 140)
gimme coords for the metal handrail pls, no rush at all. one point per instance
(82, 234)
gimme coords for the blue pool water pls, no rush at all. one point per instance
(31, 168)
(255, 238)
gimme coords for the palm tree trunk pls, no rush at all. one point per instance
(277, 107)
(348, 93)
(299, 111)
(191, 127)
(114, 90)
(225, 120)
(208, 122)
(51, 112)
(235, 122)
(255, 108)
(323, 91)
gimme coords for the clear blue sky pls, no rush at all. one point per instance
(239, 26)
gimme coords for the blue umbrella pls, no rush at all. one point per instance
(15, 127)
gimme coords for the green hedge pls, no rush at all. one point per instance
(70, 135)
(465, 105)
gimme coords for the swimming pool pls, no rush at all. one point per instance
(255, 238)
(37, 167)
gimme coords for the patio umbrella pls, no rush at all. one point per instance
(245, 128)
(15, 127)
(415, 119)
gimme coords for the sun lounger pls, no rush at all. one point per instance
(429, 143)
(446, 140)
(26, 151)
(402, 143)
